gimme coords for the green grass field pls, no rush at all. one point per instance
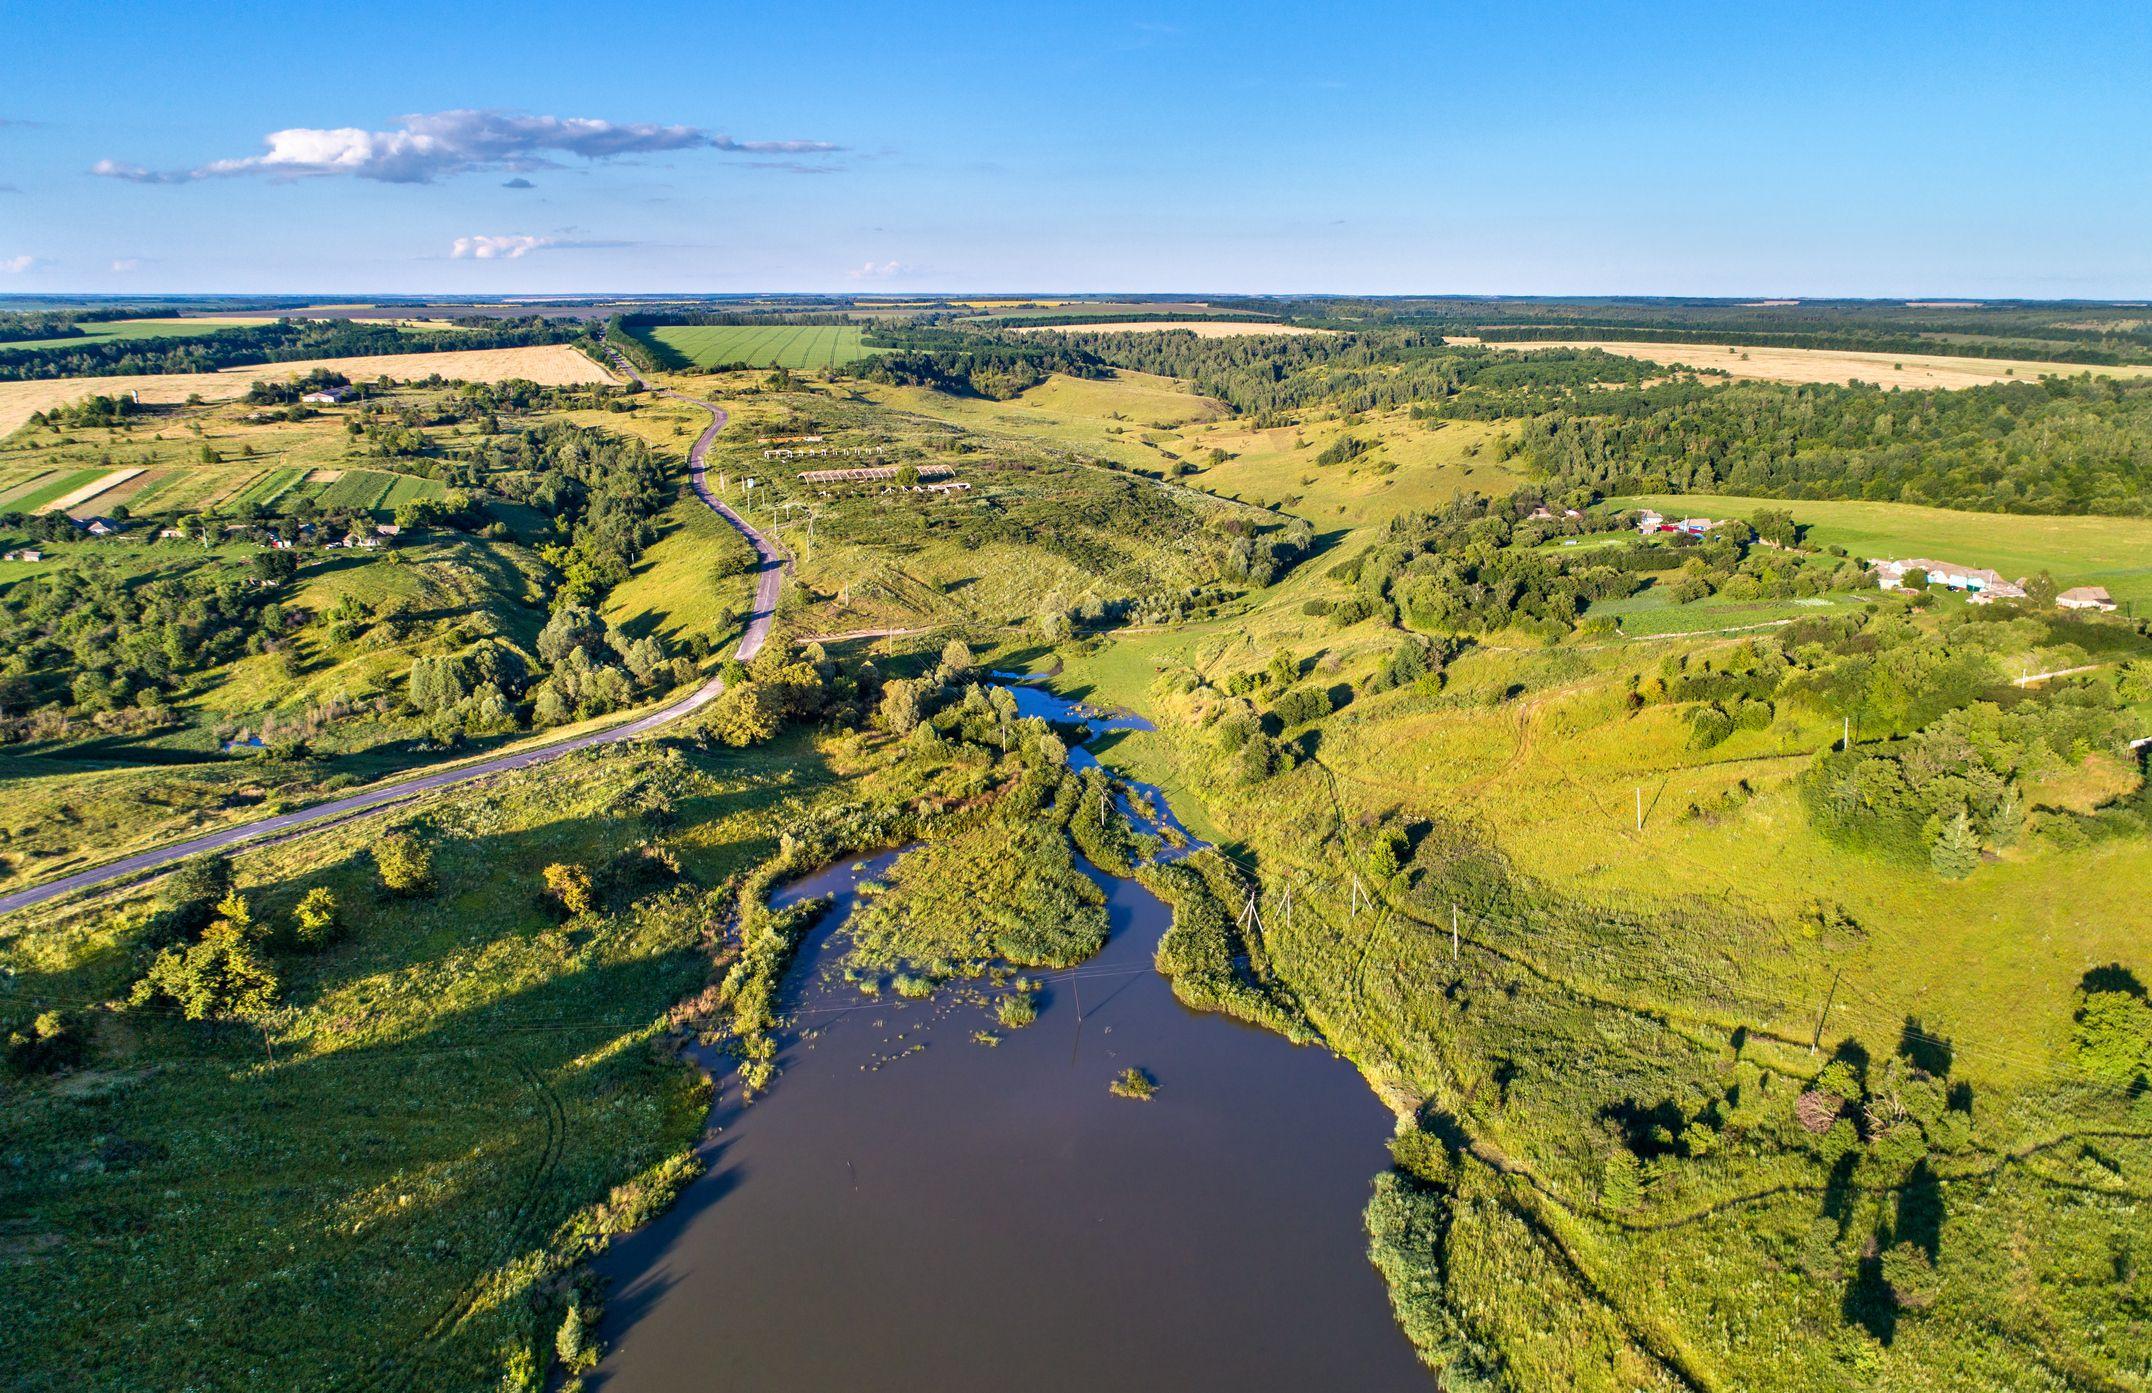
(108, 330)
(2114, 552)
(774, 346)
(55, 487)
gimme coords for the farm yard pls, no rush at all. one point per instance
(803, 346)
(2112, 552)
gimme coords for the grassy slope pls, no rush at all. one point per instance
(694, 580)
(451, 1086)
(1533, 750)
(1417, 465)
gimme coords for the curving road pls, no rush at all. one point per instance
(770, 568)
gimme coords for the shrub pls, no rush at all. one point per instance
(2114, 1037)
(315, 922)
(405, 864)
(568, 885)
(1302, 705)
(222, 977)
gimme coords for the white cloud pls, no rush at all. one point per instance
(485, 248)
(879, 271)
(434, 145)
(14, 265)
(127, 263)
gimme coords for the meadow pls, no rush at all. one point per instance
(385, 1183)
(803, 346)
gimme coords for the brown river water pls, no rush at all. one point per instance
(908, 1210)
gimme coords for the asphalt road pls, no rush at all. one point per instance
(769, 580)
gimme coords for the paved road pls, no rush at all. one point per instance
(769, 579)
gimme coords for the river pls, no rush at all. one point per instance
(909, 1209)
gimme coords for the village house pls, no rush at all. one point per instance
(1978, 583)
(104, 527)
(1649, 521)
(24, 554)
(170, 534)
(326, 396)
(2086, 597)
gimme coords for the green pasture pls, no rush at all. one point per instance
(771, 346)
(107, 331)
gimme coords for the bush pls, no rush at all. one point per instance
(315, 921)
(1301, 705)
(2114, 1037)
(405, 864)
(568, 885)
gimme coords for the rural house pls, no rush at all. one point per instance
(326, 396)
(24, 554)
(2086, 597)
(1978, 582)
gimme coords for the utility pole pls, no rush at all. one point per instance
(1453, 931)
(1824, 1014)
(1357, 895)
(1845, 739)
(1288, 907)
(1639, 807)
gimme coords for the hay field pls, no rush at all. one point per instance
(1201, 328)
(553, 364)
(1836, 365)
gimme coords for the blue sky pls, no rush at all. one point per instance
(1812, 149)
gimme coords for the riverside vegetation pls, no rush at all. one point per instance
(1747, 953)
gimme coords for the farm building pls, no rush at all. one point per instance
(1649, 520)
(327, 396)
(104, 527)
(2086, 597)
(1979, 582)
(24, 554)
(870, 474)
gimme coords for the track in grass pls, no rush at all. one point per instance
(806, 346)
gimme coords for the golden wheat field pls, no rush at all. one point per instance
(550, 364)
(1836, 365)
